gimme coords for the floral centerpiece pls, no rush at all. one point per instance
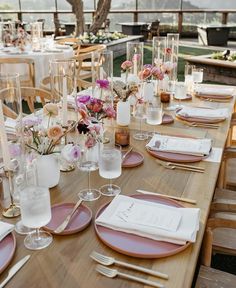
(100, 38)
(92, 112)
(43, 132)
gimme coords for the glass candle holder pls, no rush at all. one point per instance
(171, 55)
(122, 137)
(134, 53)
(159, 50)
(62, 76)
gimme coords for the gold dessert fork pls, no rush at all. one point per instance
(106, 260)
(112, 273)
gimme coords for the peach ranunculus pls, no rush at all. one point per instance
(50, 110)
(55, 132)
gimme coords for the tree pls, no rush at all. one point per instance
(78, 10)
(103, 8)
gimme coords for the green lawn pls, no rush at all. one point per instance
(183, 51)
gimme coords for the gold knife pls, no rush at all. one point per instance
(187, 200)
(14, 270)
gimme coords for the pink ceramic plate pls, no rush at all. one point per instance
(175, 157)
(133, 159)
(221, 97)
(187, 98)
(79, 221)
(167, 119)
(200, 120)
(7, 250)
(138, 246)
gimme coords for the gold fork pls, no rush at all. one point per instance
(112, 273)
(106, 260)
(172, 166)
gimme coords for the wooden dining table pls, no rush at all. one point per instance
(66, 262)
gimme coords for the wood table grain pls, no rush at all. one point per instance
(66, 262)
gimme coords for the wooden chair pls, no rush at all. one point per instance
(26, 65)
(30, 95)
(227, 175)
(220, 237)
(74, 42)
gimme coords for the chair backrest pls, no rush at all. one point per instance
(92, 48)
(74, 42)
(42, 21)
(24, 66)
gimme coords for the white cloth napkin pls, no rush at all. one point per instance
(124, 214)
(217, 91)
(5, 229)
(165, 143)
(204, 113)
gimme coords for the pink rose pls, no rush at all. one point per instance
(126, 65)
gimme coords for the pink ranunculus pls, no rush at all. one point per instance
(103, 84)
(95, 128)
(157, 73)
(168, 50)
(145, 73)
(110, 112)
(167, 67)
(95, 105)
(126, 65)
(90, 142)
(83, 111)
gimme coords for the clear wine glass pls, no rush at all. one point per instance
(89, 163)
(110, 168)
(36, 212)
(140, 114)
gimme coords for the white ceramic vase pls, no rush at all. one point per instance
(48, 170)
(123, 113)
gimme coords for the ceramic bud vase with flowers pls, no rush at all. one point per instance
(43, 135)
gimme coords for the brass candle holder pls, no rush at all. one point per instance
(13, 210)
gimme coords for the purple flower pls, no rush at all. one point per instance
(71, 153)
(15, 150)
(83, 99)
(110, 112)
(149, 66)
(103, 84)
(31, 120)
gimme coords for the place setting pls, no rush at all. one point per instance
(178, 149)
(125, 225)
(202, 116)
(214, 94)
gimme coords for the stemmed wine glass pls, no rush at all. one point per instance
(110, 168)
(89, 163)
(36, 212)
(140, 113)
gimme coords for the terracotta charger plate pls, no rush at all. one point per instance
(167, 119)
(133, 159)
(79, 221)
(134, 245)
(7, 250)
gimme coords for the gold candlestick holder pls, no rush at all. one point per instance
(13, 210)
